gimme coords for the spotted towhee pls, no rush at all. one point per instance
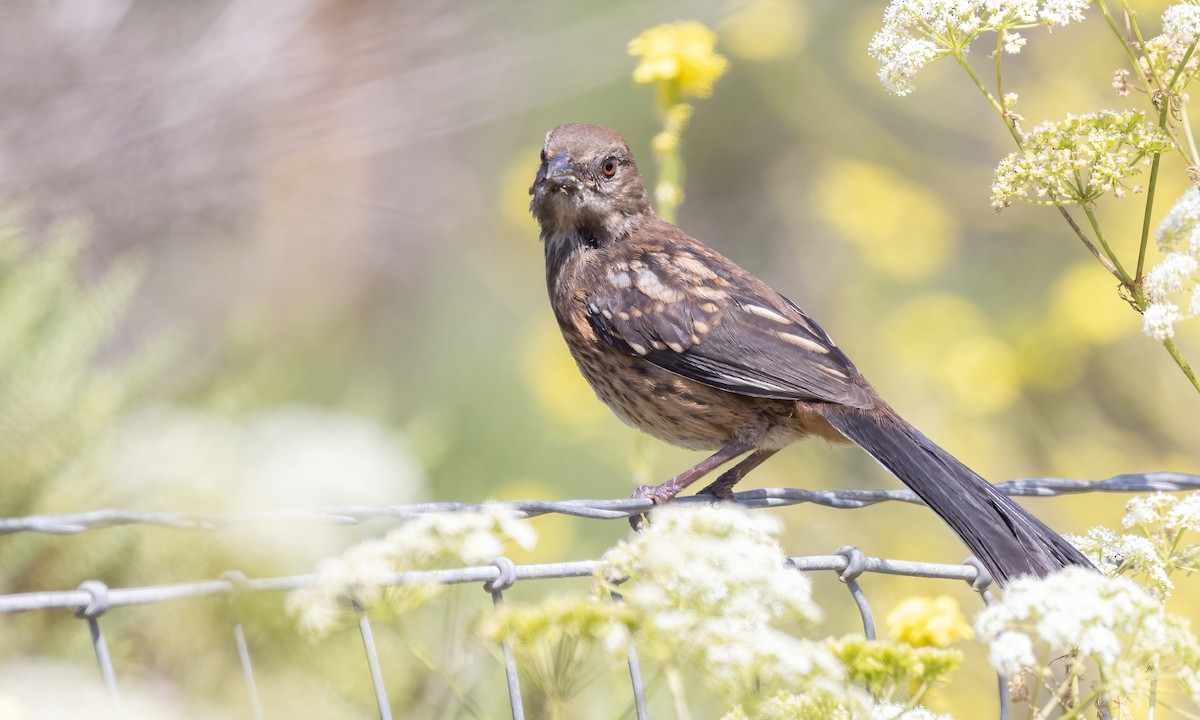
(685, 345)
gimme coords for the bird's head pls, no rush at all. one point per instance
(587, 182)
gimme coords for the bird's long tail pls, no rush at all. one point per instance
(1001, 534)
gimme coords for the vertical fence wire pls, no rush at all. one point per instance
(635, 673)
(507, 576)
(368, 641)
(238, 584)
(91, 611)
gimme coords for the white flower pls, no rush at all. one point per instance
(1114, 554)
(1075, 608)
(711, 563)
(1010, 651)
(1164, 53)
(892, 711)
(917, 32)
(1170, 275)
(1063, 12)
(1158, 322)
(900, 58)
(1078, 159)
(707, 583)
(1182, 21)
(1178, 230)
(365, 570)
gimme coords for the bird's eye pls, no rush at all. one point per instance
(609, 168)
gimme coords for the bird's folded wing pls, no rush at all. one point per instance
(741, 342)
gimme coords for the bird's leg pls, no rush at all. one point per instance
(722, 487)
(659, 494)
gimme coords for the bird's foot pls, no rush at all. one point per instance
(656, 494)
(721, 489)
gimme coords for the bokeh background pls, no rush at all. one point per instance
(260, 255)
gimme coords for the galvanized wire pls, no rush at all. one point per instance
(92, 599)
(72, 523)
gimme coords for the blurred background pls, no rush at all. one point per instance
(268, 254)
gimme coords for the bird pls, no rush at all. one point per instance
(682, 343)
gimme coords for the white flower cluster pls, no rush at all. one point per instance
(1115, 554)
(1162, 512)
(711, 580)
(917, 32)
(1112, 621)
(1164, 53)
(1152, 544)
(892, 711)
(429, 541)
(1078, 159)
(1178, 272)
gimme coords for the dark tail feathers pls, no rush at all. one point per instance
(1001, 534)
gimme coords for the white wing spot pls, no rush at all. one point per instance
(701, 327)
(649, 284)
(675, 346)
(767, 313)
(802, 342)
(833, 371)
(639, 349)
(607, 314)
(619, 278)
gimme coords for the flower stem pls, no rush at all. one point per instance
(1120, 271)
(1163, 111)
(1133, 59)
(1169, 344)
(675, 683)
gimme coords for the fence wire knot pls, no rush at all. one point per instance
(238, 583)
(98, 604)
(507, 577)
(982, 579)
(856, 563)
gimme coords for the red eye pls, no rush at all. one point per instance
(609, 168)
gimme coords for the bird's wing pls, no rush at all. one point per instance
(713, 323)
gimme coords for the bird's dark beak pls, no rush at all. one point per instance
(560, 174)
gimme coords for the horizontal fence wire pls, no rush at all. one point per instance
(72, 523)
(93, 598)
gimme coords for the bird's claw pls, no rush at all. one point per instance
(720, 490)
(657, 495)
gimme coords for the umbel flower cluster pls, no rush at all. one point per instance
(1172, 286)
(917, 32)
(1078, 159)
(707, 592)
(708, 589)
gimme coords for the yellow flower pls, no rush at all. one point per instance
(682, 54)
(925, 622)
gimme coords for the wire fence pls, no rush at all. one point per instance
(93, 598)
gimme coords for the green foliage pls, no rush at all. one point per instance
(57, 394)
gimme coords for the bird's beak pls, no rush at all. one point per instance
(560, 174)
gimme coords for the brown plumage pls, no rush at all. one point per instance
(685, 345)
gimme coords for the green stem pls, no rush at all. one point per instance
(675, 683)
(1133, 59)
(1012, 128)
(1124, 276)
(1194, 157)
(1169, 344)
(1163, 111)
(1016, 135)
(426, 659)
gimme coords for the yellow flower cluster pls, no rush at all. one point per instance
(681, 54)
(928, 622)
